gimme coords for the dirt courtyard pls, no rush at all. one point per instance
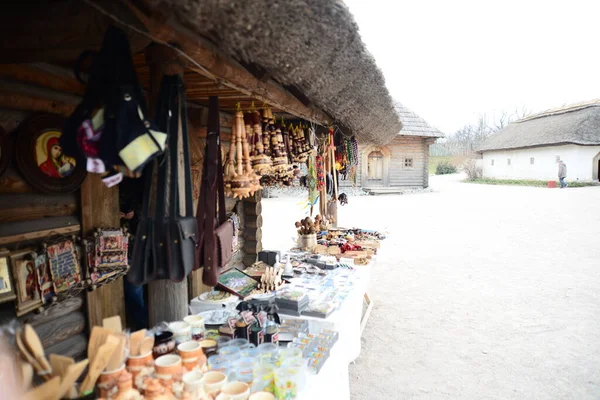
(481, 292)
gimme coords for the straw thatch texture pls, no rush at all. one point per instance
(414, 125)
(310, 45)
(574, 124)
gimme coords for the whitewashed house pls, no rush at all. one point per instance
(531, 147)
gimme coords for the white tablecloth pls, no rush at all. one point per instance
(333, 382)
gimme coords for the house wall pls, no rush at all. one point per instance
(395, 173)
(579, 160)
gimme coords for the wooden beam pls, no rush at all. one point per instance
(39, 234)
(19, 101)
(61, 329)
(33, 74)
(13, 182)
(75, 347)
(59, 30)
(207, 59)
(34, 211)
(100, 209)
(167, 300)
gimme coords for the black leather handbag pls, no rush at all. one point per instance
(165, 246)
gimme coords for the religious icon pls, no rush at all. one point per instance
(50, 157)
(44, 278)
(64, 265)
(28, 294)
(7, 291)
(41, 159)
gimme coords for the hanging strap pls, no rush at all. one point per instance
(182, 122)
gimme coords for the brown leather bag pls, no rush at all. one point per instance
(215, 232)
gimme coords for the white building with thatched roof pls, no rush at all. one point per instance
(531, 147)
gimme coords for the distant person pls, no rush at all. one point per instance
(562, 173)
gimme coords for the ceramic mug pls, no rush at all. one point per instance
(135, 364)
(164, 343)
(234, 391)
(191, 354)
(192, 382)
(197, 324)
(262, 396)
(167, 367)
(182, 331)
(107, 381)
(213, 381)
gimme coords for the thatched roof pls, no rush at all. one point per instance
(414, 125)
(574, 124)
(312, 47)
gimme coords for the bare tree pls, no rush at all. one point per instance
(521, 112)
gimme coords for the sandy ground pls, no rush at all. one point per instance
(481, 292)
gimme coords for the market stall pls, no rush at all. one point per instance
(138, 95)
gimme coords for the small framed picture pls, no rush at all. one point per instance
(64, 265)
(24, 272)
(237, 282)
(7, 289)
(44, 278)
(111, 249)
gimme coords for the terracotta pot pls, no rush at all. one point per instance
(136, 363)
(107, 381)
(234, 391)
(168, 367)
(191, 354)
(164, 343)
(213, 381)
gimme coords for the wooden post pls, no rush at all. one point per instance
(100, 209)
(167, 300)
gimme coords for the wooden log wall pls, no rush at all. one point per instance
(27, 217)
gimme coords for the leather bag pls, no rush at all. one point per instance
(215, 232)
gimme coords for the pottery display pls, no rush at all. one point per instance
(191, 354)
(107, 382)
(168, 367)
(164, 343)
(182, 331)
(213, 381)
(196, 323)
(136, 363)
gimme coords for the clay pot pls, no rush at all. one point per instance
(107, 381)
(168, 367)
(164, 343)
(213, 381)
(136, 363)
(191, 354)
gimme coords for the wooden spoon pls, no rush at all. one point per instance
(26, 354)
(46, 391)
(60, 364)
(33, 342)
(72, 373)
(113, 323)
(98, 337)
(26, 375)
(135, 342)
(147, 345)
(118, 355)
(100, 361)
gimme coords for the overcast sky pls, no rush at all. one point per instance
(451, 60)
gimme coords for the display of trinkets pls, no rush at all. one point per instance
(64, 265)
(240, 179)
(107, 254)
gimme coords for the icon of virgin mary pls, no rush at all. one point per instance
(56, 165)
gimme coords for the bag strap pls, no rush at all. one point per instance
(164, 121)
(210, 182)
(189, 200)
(220, 184)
